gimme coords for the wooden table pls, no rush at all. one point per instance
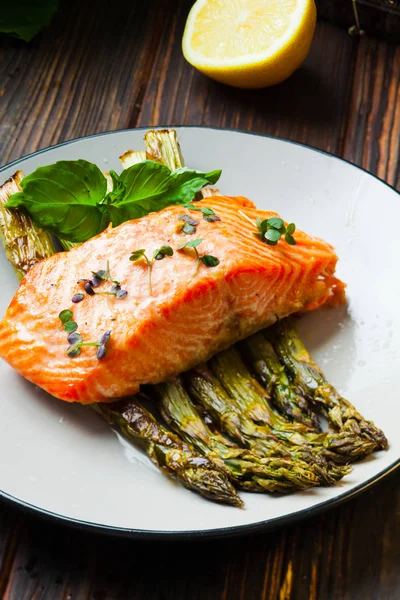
(120, 66)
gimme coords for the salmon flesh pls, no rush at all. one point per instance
(188, 316)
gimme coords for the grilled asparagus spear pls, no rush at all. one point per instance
(310, 381)
(253, 401)
(132, 157)
(162, 146)
(24, 243)
(247, 470)
(169, 453)
(208, 392)
(272, 376)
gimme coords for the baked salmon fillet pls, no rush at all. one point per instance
(188, 317)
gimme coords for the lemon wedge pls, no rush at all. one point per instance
(249, 43)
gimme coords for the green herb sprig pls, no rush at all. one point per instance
(76, 343)
(98, 277)
(75, 339)
(271, 230)
(67, 323)
(207, 212)
(207, 259)
(158, 254)
(189, 225)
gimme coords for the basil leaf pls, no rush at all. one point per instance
(65, 198)
(151, 186)
(70, 198)
(24, 18)
(118, 190)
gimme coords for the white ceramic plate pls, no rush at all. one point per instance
(62, 460)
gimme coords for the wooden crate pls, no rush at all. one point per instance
(377, 17)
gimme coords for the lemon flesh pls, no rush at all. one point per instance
(249, 43)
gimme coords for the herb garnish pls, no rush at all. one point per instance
(190, 224)
(68, 324)
(208, 213)
(75, 339)
(77, 298)
(207, 259)
(158, 254)
(76, 343)
(70, 198)
(99, 277)
(271, 230)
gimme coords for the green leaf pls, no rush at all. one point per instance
(209, 260)
(64, 198)
(151, 186)
(103, 274)
(272, 235)
(291, 228)
(118, 191)
(24, 18)
(137, 254)
(276, 223)
(160, 253)
(207, 211)
(263, 225)
(290, 239)
(70, 326)
(191, 244)
(191, 206)
(189, 229)
(65, 316)
(73, 351)
(70, 198)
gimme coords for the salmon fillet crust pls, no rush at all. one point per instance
(187, 318)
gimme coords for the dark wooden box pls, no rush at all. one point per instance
(377, 17)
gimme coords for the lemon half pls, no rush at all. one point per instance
(249, 43)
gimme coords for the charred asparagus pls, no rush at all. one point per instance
(253, 401)
(312, 385)
(24, 243)
(247, 470)
(272, 376)
(208, 392)
(168, 452)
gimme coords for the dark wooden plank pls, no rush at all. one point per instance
(343, 554)
(87, 73)
(373, 139)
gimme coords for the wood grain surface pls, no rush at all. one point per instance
(116, 65)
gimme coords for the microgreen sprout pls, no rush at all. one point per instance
(68, 324)
(99, 277)
(271, 230)
(188, 219)
(189, 225)
(207, 259)
(76, 343)
(158, 254)
(77, 298)
(207, 212)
